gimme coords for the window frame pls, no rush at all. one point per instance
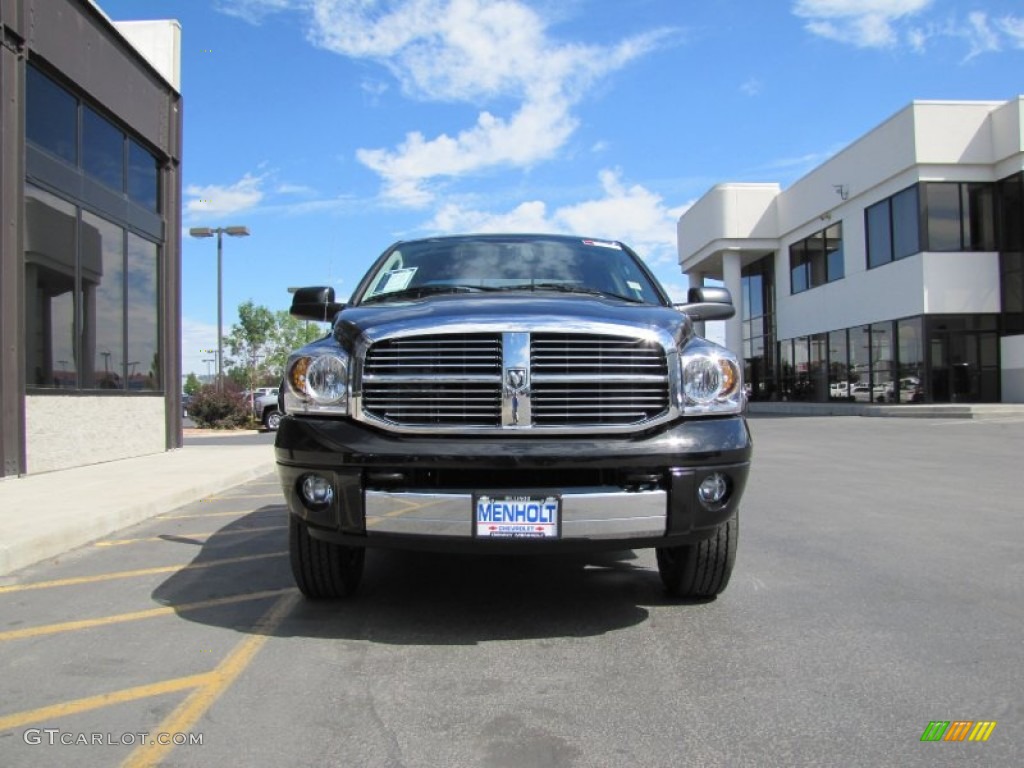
(813, 263)
(152, 202)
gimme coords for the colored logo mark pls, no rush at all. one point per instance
(958, 730)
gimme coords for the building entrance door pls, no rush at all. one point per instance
(939, 360)
(964, 366)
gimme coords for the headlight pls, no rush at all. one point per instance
(317, 382)
(712, 381)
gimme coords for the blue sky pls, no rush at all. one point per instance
(332, 128)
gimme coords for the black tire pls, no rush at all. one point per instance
(323, 570)
(272, 420)
(702, 569)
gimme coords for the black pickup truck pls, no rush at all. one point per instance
(512, 394)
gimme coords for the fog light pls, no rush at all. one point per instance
(317, 491)
(713, 489)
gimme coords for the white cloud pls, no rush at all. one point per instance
(863, 23)
(632, 214)
(1013, 27)
(198, 344)
(219, 199)
(884, 24)
(470, 51)
(752, 87)
(255, 11)
(981, 37)
(285, 188)
(917, 39)
(533, 134)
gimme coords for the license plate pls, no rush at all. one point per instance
(499, 516)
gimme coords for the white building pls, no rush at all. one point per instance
(894, 272)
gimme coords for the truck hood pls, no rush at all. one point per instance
(483, 313)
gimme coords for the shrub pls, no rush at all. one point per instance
(219, 410)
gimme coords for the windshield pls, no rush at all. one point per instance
(512, 263)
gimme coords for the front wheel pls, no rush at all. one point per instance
(702, 569)
(321, 569)
(272, 420)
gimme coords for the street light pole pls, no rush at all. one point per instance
(220, 312)
(235, 231)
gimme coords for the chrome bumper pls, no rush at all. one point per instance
(585, 515)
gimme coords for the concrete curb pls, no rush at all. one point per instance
(47, 515)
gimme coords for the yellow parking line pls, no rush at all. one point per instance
(196, 536)
(188, 713)
(131, 574)
(220, 514)
(76, 706)
(149, 613)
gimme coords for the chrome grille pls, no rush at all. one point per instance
(596, 380)
(449, 380)
(458, 380)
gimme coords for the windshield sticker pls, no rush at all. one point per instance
(603, 244)
(398, 280)
(635, 286)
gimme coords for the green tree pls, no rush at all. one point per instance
(248, 342)
(290, 333)
(192, 384)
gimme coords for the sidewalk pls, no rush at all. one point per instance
(905, 411)
(45, 515)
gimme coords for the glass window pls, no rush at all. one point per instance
(51, 116)
(50, 295)
(143, 340)
(838, 367)
(943, 206)
(882, 390)
(818, 367)
(906, 239)
(911, 361)
(756, 295)
(879, 234)
(143, 176)
(1011, 213)
(979, 208)
(102, 150)
(787, 372)
(834, 268)
(798, 266)
(860, 363)
(802, 388)
(816, 259)
(103, 303)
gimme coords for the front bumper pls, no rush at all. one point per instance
(417, 492)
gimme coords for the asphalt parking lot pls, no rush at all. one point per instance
(877, 590)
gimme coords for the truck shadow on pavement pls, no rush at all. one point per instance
(415, 597)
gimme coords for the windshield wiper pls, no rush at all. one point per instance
(568, 288)
(418, 291)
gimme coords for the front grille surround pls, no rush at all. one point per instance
(518, 382)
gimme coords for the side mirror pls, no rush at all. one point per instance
(315, 303)
(708, 303)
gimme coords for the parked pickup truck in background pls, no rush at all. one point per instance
(265, 408)
(512, 394)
